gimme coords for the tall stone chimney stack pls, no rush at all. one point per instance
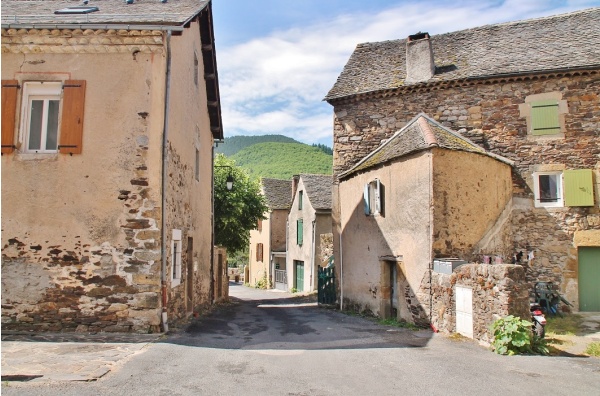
(419, 58)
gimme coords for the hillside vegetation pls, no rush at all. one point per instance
(234, 144)
(283, 160)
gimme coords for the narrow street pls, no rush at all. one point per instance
(274, 343)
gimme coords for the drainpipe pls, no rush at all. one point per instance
(312, 255)
(341, 274)
(212, 225)
(163, 221)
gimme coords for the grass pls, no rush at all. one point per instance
(563, 325)
(593, 349)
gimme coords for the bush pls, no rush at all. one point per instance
(512, 335)
(593, 349)
(263, 283)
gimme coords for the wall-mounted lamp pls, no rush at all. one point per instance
(229, 181)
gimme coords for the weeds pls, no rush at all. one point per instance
(593, 349)
(563, 325)
(397, 323)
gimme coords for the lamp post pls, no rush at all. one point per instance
(229, 181)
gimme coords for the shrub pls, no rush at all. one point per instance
(512, 335)
(263, 283)
(593, 349)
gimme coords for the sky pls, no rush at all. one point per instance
(277, 59)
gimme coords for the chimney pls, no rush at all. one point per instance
(419, 58)
(295, 180)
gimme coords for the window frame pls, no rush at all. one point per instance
(300, 199)
(46, 91)
(176, 258)
(372, 198)
(559, 203)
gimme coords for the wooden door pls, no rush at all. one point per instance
(589, 279)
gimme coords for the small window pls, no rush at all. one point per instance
(176, 247)
(544, 117)
(197, 166)
(299, 232)
(372, 198)
(548, 189)
(300, 198)
(41, 114)
(196, 68)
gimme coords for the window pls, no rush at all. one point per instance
(544, 117)
(176, 247)
(196, 68)
(300, 197)
(41, 103)
(545, 114)
(548, 189)
(299, 231)
(372, 198)
(259, 225)
(40, 128)
(259, 252)
(197, 166)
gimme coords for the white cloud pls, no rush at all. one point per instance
(275, 84)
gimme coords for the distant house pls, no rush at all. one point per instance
(526, 91)
(268, 241)
(309, 219)
(109, 115)
(424, 190)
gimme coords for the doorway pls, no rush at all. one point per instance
(299, 279)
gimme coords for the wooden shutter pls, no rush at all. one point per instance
(544, 117)
(578, 187)
(9, 117)
(71, 129)
(259, 252)
(259, 226)
(300, 197)
(299, 231)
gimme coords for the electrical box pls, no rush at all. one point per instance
(447, 265)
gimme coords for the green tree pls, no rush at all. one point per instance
(236, 211)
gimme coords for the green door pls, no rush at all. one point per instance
(299, 283)
(589, 279)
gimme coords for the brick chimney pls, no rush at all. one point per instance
(419, 58)
(295, 180)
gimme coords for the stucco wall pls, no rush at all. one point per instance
(81, 241)
(258, 269)
(86, 225)
(488, 113)
(404, 230)
(470, 193)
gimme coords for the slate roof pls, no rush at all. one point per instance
(278, 193)
(567, 41)
(151, 12)
(318, 190)
(421, 133)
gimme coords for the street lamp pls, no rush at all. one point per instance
(229, 181)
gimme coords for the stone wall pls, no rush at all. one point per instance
(498, 290)
(487, 111)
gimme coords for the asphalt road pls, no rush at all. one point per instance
(268, 343)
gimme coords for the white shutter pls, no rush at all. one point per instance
(377, 196)
(366, 200)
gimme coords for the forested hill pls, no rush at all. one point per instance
(283, 160)
(236, 143)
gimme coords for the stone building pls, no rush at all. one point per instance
(268, 241)
(109, 114)
(309, 220)
(527, 91)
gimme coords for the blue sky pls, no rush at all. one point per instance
(277, 59)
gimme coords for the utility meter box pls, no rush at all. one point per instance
(447, 265)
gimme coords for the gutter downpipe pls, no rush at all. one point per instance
(163, 221)
(313, 249)
(211, 288)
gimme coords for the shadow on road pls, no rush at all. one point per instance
(257, 319)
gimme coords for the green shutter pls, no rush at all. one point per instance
(299, 231)
(544, 117)
(579, 187)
